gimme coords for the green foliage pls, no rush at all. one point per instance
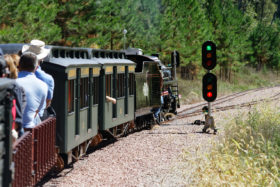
(24, 20)
(184, 27)
(142, 20)
(245, 31)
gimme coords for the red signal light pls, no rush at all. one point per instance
(209, 87)
(209, 94)
(209, 63)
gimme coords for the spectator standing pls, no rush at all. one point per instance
(35, 89)
(38, 47)
(18, 100)
(11, 64)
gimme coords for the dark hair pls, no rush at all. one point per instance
(19, 52)
(28, 62)
(3, 65)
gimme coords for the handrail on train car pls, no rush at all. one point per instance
(22, 159)
(41, 151)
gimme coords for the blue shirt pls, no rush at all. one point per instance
(36, 94)
(48, 79)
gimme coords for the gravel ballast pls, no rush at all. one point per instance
(151, 157)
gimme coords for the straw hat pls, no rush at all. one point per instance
(37, 47)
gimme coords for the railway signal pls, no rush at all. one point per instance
(209, 55)
(209, 88)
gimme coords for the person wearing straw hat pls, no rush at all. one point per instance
(38, 47)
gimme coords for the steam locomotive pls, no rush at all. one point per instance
(99, 94)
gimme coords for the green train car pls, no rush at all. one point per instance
(84, 78)
(116, 82)
(101, 93)
(75, 100)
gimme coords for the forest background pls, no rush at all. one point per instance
(246, 32)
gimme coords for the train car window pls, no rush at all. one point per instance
(120, 85)
(108, 85)
(84, 92)
(70, 96)
(131, 83)
(95, 90)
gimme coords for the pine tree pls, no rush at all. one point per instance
(24, 20)
(142, 21)
(230, 28)
(184, 27)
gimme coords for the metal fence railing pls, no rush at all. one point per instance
(44, 148)
(22, 158)
(35, 153)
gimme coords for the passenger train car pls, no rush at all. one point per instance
(87, 82)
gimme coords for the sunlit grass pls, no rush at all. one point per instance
(249, 154)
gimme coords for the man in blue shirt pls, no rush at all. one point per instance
(38, 47)
(35, 89)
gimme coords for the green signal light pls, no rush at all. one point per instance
(208, 48)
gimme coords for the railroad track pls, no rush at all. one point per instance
(226, 98)
(196, 110)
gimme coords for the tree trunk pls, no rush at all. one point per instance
(111, 41)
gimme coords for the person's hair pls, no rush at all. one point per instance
(11, 66)
(3, 65)
(28, 62)
(19, 53)
(16, 58)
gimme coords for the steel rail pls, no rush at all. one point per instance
(224, 108)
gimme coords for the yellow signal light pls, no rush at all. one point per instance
(209, 87)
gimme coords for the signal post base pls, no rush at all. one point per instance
(209, 121)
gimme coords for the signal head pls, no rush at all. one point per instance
(209, 55)
(209, 87)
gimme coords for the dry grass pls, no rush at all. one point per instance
(247, 156)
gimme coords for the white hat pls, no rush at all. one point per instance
(37, 47)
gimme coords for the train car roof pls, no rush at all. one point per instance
(68, 62)
(69, 56)
(110, 57)
(108, 61)
(12, 48)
